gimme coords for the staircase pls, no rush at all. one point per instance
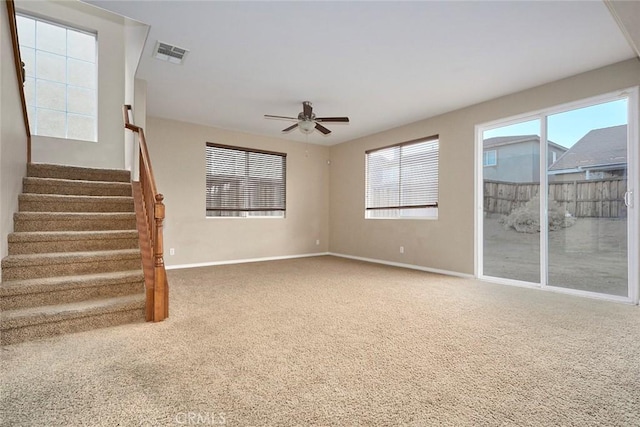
(74, 261)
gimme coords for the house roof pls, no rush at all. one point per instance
(499, 141)
(599, 147)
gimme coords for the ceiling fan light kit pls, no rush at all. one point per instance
(307, 121)
(306, 126)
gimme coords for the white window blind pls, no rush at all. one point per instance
(243, 182)
(402, 180)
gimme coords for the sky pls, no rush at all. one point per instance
(567, 128)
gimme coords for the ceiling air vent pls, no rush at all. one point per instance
(167, 52)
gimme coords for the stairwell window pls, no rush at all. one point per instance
(243, 182)
(402, 180)
(61, 78)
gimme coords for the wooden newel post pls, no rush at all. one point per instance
(160, 299)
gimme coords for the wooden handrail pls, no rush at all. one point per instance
(150, 212)
(20, 73)
(144, 152)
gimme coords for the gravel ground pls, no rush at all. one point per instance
(591, 255)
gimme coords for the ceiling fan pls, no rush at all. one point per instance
(307, 120)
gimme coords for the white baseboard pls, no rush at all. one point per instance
(410, 266)
(275, 258)
(241, 261)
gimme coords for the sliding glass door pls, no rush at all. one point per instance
(588, 227)
(555, 200)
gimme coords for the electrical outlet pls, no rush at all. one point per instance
(172, 251)
(318, 242)
(401, 249)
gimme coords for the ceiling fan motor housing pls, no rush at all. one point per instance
(301, 116)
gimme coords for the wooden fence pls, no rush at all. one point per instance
(602, 198)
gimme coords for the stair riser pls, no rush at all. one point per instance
(64, 172)
(79, 189)
(24, 248)
(46, 330)
(75, 225)
(70, 269)
(65, 206)
(63, 296)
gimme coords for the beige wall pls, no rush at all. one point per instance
(135, 35)
(140, 104)
(178, 155)
(108, 152)
(446, 243)
(13, 145)
(138, 117)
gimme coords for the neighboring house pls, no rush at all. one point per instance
(516, 158)
(601, 153)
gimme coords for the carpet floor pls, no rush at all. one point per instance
(326, 341)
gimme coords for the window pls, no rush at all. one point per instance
(242, 182)
(402, 180)
(490, 158)
(589, 174)
(60, 85)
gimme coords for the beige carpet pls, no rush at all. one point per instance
(328, 341)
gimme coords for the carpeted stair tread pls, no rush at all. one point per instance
(74, 198)
(72, 216)
(44, 284)
(44, 170)
(36, 185)
(32, 242)
(67, 257)
(33, 266)
(46, 321)
(74, 221)
(52, 313)
(73, 203)
(21, 294)
(50, 236)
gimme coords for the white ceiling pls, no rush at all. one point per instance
(383, 64)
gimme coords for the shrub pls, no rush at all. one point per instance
(526, 218)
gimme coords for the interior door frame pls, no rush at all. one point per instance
(633, 187)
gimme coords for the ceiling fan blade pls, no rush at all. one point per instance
(333, 119)
(290, 128)
(322, 129)
(269, 116)
(307, 109)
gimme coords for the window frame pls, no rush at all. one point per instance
(246, 213)
(429, 210)
(67, 85)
